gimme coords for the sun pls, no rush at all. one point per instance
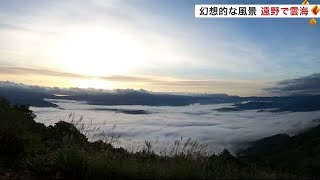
(97, 52)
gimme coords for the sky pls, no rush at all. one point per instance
(154, 45)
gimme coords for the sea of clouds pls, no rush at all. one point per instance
(162, 125)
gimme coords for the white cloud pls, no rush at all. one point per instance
(200, 122)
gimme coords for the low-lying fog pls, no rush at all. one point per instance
(164, 124)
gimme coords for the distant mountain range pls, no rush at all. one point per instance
(297, 103)
(23, 94)
(36, 95)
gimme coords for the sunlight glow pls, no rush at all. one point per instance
(97, 52)
(95, 83)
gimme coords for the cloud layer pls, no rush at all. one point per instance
(303, 85)
(166, 124)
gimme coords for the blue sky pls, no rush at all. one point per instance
(105, 44)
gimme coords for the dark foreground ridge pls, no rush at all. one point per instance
(300, 153)
(32, 150)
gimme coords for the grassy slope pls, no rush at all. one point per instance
(29, 149)
(299, 154)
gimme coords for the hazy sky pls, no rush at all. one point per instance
(153, 45)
